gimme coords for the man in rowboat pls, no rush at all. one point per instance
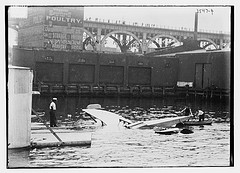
(201, 115)
(187, 111)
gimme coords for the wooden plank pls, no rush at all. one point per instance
(40, 140)
(48, 127)
(56, 144)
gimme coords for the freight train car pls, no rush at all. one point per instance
(210, 72)
(203, 72)
(205, 69)
(69, 72)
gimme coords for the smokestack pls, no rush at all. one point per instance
(196, 26)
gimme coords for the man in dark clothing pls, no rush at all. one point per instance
(53, 108)
(187, 111)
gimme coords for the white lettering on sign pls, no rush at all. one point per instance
(76, 47)
(57, 41)
(59, 46)
(64, 19)
(59, 12)
(64, 46)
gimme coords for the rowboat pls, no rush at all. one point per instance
(164, 122)
(197, 123)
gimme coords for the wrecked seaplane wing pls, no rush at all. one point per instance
(108, 118)
(112, 119)
(164, 122)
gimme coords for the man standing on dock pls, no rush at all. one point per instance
(53, 109)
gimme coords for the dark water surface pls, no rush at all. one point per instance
(69, 105)
(121, 147)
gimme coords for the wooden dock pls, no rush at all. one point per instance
(41, 137)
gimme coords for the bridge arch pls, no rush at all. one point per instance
(159, 36)
(88, 33)
(90, 36)
(227, 46)
(209, 40)
(124, 32)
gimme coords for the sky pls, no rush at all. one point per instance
(177, 16)
(164, 16)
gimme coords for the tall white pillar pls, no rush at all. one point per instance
(19, 106)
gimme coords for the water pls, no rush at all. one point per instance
(71, 105)
(121, 147)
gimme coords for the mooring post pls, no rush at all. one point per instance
(187, 92)
(39, 87)
(118, 89)
(66, 89)
(153, 91)
(163, 91)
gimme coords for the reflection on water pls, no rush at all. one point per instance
(69, 104)
(207, 146)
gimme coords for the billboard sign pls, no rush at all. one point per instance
(59, 16)
(63, 16)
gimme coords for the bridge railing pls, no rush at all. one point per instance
(137, 24)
